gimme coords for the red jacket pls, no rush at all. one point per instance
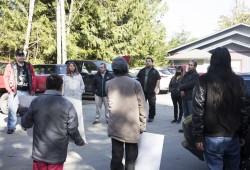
(10, 79)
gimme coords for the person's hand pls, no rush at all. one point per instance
(82, 143)
(157, 90)
(242, 142)
(199, 146)
(182, 93)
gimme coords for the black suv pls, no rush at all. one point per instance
(88, 68)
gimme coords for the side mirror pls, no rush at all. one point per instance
(93, 72)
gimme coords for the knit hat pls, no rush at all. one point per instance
(120, 65)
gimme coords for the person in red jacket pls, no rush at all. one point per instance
(19, 79)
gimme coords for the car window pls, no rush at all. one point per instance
(39, 69)
(165, 72)
(62, 69)
(89, 67)
(51, 69)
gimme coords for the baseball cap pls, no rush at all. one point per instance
(19, 52)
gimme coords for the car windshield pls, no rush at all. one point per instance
(108, 65)
(164, 71)
(62, 69)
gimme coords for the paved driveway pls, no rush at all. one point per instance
(15, 149)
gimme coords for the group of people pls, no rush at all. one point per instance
(218, 103)
(216, 100)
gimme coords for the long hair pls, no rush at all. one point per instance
(179, 68)
(68, 71)
(225, 88)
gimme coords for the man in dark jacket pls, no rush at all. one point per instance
(220, 118)
(149, 78)
(55, 122)
(186, 88)
(99, 81)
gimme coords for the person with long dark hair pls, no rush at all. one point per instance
(73, 85)
(175, 94)
(220, 119)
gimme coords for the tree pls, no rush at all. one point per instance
(240, 14)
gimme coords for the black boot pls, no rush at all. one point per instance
(173, 121)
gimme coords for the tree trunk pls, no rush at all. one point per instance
(58, 32)
(64, 49)
(70, 16)
(29, 26)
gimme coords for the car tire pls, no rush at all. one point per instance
(4, 103)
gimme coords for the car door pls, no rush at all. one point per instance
(88, 71)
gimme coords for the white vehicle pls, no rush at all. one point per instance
(165, 78)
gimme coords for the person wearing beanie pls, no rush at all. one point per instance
(149, 78)
(127, 115)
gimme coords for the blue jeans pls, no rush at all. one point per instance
(13, 103)
(187, 107)
(219, 151)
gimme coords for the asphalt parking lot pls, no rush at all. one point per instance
(15, 149)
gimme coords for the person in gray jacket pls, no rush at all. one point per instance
(55, 122)
(127, 119)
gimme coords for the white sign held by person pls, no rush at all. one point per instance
(24, 101)
(150, 151)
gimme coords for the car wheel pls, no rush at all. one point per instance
(4, 103)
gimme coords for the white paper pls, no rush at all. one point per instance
(25, 101)
(150, 150)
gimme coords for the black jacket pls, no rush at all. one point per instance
(188, 82)
(205, 120)
(99, 83)
(174, 87)
(153, 76)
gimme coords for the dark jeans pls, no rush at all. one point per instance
(187, 107)
(131, 153)
(177, 101)
(151, 97)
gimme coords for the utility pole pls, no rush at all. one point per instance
(61, 35)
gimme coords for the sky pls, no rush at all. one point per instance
(198, 17)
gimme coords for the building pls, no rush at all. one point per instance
(235, 38)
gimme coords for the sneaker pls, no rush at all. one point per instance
(150, 120)
(10, 131)
(180, 130)
(96, 122)
(178, 121)
(173, 121)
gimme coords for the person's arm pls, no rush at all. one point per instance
(32, 72)
(7, 78)
(27, 119)
(63, 85)
(72, 126)
(198, 101)
(157, 87)
(142, 107)
(190, 84)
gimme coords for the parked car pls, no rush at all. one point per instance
(165, 79)
(88, 68)
(42, 71)
(171, 70)
(3, 91)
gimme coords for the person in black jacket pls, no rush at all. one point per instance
(175, 94)
(99, 81)
(220, 118)
(186, 88)
(149, 78)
